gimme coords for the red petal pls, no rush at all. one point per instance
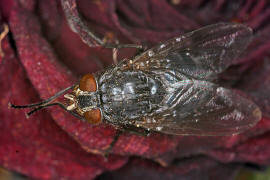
(36, 146)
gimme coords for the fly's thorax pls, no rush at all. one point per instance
(85, 99)
(129, 95)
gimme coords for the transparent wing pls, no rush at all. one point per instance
(186, 65)
(203, 108)
(200, 54)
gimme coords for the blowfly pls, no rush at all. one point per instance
(169, 88)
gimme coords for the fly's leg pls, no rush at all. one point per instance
(46, 103)
(129, 129)
(79, 26)
(2, 36)
(136, 130)
(109, 149)
(114, 54)
(140, 50)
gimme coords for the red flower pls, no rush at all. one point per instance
(43, 56)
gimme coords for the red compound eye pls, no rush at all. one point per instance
(88, 83)
(93, 116)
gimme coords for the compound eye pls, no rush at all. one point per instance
(88, 83)
(93, 116)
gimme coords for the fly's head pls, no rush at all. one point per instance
(84, 99)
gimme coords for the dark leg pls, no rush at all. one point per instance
(42, 102)
(119, 46)
(109, 149)
(45, 104)
(136, 130)
(79, 25)
(140, 50)
(53, 104)
(129, 129)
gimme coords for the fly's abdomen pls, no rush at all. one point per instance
(130, 95)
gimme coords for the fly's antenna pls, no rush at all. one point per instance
(44, 104)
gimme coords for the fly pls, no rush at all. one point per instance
(169, 88)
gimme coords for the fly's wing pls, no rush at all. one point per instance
(205, 109)
(200, 54)
(193, 105)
